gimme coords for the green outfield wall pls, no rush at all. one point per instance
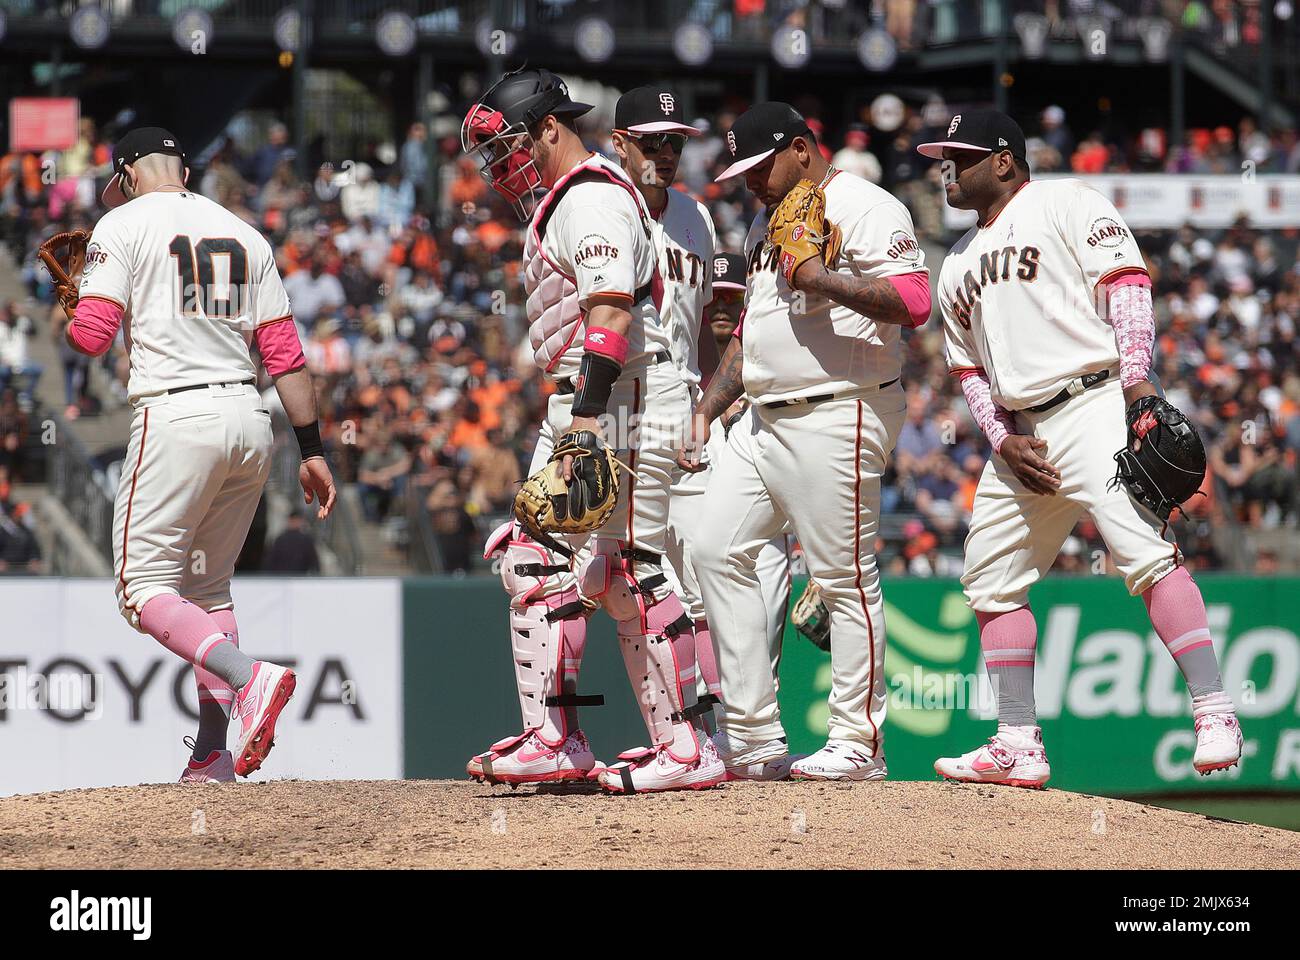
(1114, 712)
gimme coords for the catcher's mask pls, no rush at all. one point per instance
(498, 129)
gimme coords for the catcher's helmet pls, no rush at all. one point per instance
(497, 129)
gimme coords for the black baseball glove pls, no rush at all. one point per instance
(1163, 463)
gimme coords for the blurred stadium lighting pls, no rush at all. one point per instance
(1031, 28)
(89, 28)
(594, 39)
(1155, 36)
(191, 24)
(790, 47)
(693, 44)
(287, 30)
(395, 33)
(493, 41)
(877, 50)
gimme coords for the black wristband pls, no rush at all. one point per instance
(596, 376)
(309, 442)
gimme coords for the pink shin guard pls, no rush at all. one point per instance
(1177, 612)
(1008, 639)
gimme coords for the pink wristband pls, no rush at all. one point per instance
(606, 343)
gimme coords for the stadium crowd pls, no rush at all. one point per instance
(411, 314)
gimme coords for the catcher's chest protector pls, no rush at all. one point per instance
(554, 318)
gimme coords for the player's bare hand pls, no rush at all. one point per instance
(317, 484)
(691, 455)
(579, 423)
(1023, 454)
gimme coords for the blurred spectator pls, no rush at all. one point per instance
(16, 366)
(262, 165)
(854, 157)
(314, 292)
(19, 550)
(293, 551)
(382, 476)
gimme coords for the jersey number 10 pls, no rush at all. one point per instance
(200, 294)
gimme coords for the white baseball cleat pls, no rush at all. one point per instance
(525, 758)
(839, 760)
(258, 706)
(219, 767)
(769, 761)
(1012, 758)
(1218, 742)
(778, 769)
(651, 770)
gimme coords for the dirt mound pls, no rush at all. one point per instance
(441, 823)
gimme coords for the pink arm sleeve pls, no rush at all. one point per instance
(279, 345)
(95, 324)
(914, 288)
(996, 422)
(1132, 314)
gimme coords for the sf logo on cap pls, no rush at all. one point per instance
(731, 142)
(720, 267)
(666, 102)
(952, 127)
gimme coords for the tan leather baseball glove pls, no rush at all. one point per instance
(549, 504)
(798, 228)
(64, 254)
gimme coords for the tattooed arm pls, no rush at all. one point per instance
(724, 389)
(877, 299)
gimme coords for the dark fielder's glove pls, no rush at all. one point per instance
(1163, 463)
(64, 254)
(811, 618)
(547, 504)
(799, 229)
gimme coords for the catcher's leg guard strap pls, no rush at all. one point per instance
(661, 666)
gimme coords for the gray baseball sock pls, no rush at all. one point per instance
(231, 664)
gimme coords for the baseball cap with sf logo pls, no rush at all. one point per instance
(988, 131)
(137, 143)
(759, 132)
(651, 110)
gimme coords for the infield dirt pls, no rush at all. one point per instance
(439, 823)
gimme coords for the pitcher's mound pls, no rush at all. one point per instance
(439, 823)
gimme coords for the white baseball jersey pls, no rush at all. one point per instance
(799, 344)
(194, 279)
(684, 241)
(596, 235)
(1018, 295)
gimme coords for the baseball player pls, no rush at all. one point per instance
(595, 327)
(834, 272)
(193, 287)
(1048, 322)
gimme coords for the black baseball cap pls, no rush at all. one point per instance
(135, 144)
(651, 110)
(988, 130)
(728, 272)
(759, 132)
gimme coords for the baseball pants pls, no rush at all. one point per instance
(818, 467)
(195, 467)
(1015, 535)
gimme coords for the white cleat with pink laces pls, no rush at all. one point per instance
(1218, 742)
(258, 707)
(1013, 758)
(526, 758)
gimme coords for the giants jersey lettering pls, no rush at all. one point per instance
(1019, 296)
(194, 280)
(594, 238)
(684, 241)
(799, 344)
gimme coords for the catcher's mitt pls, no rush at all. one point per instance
(811, 618)
(72, 245)
(798, 228)
(1163, 463)
(547, 504)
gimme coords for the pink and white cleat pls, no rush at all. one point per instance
(1218, 742)
(218, 768)
(525, 758)
(653, 770)
(839, 760)
(258, 706)
(1013, 758)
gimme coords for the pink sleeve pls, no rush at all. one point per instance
(914, 288)
(996, 422)
(1132, 314)
(95, 325)
(279, 345)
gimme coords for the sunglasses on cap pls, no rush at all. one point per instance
(654, 142)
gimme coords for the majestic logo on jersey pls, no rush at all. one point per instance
(666, 103)
(995, 267)
(1107, 232)
(731, 142)
(95, 255)
(952, 127)
(594, 252)
(903, 246)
